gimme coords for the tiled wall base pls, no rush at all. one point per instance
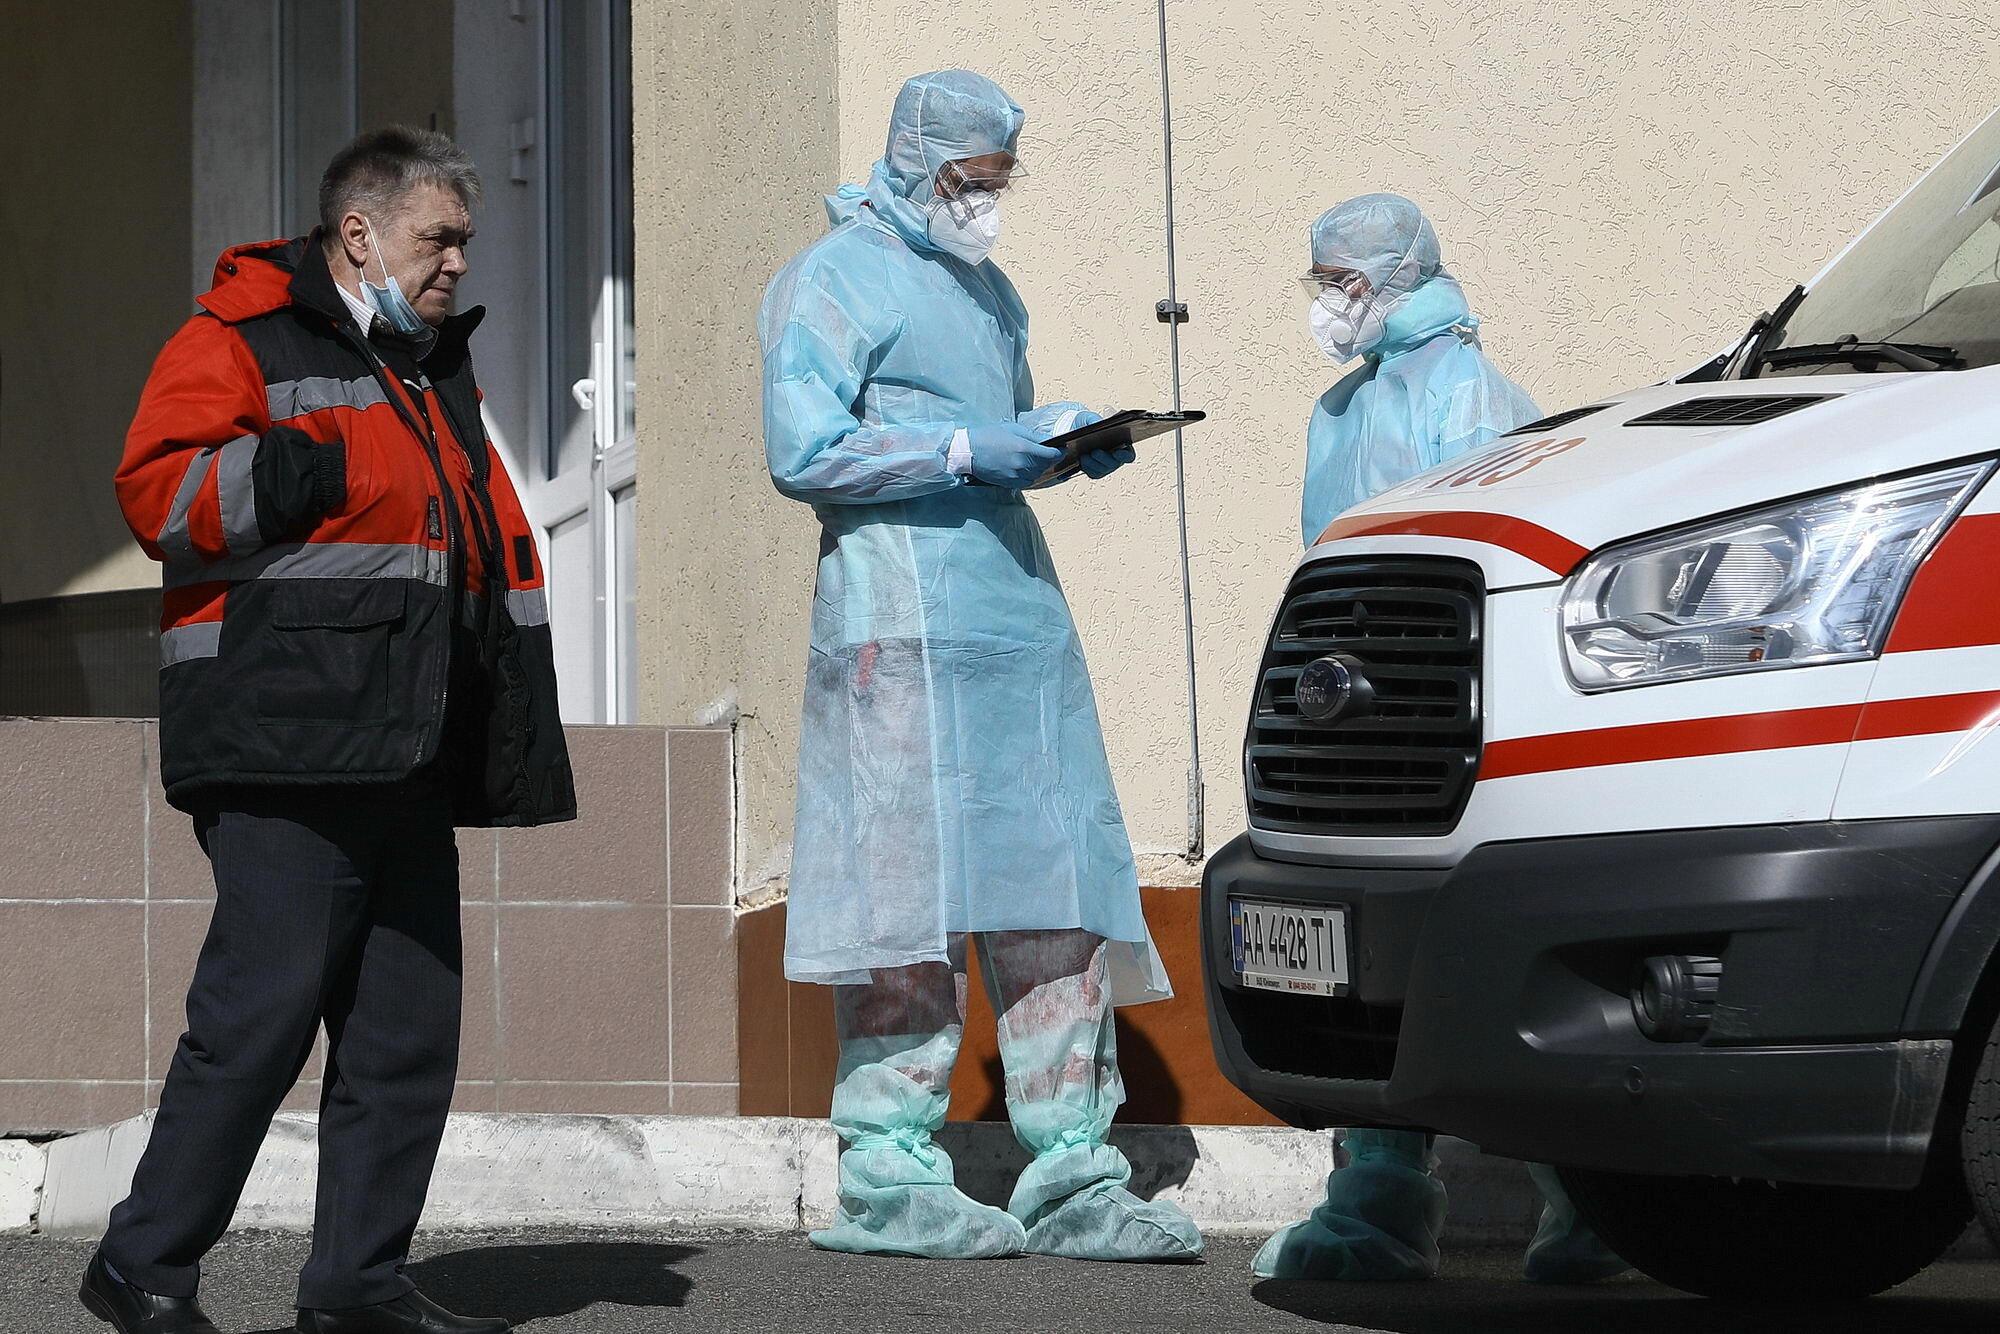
(600, 956)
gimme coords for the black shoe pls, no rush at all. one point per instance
(411, 1313)
(130, 1310)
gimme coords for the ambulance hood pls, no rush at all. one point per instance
(1531, 505)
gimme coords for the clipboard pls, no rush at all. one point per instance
(1118, 431)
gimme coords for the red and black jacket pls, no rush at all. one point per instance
(352, 592)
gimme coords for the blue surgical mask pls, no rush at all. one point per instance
(387, 299)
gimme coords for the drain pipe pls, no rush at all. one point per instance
(1173, 313)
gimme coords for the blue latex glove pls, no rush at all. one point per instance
(1102, 463)
(1008, 455)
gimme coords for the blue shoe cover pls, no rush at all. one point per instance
(1379, 1222)
(1074, 1202)
(897, 1192)
(1565, 1249)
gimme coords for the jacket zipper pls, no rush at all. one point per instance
(454, 539)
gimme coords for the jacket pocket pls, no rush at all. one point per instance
(329, 648)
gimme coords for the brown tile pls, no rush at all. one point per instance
(704, 987)
(583, 992)
(73, 823)
(978, 1087)
(31, 1106)
(478, 858)
(174, 935)
(616, 851)
(763, 1013)
(587, 1099)
(479, 1031)
(699, 799)
(176, 867)
(1164, 1049)
(704, 1100)
(482, 1096)
(72, 991)
(814, 1054)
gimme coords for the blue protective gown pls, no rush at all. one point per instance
(1423, 395)
(952, 773)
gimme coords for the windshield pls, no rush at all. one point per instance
(1927, 273)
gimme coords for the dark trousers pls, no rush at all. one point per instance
(333, 905)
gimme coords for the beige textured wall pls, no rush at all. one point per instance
(97, 273)
(1620, 189)
(733, 139)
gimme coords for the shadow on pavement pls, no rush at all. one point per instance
(523, 1283)
(1628, 1305)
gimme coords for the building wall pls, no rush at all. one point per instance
(97, 276)
(733, 141)
(600, 955)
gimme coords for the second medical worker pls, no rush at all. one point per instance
(952, 776)
(1423, 394)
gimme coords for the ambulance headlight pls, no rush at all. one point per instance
(1809, 581)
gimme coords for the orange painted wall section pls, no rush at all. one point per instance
(788, 1053)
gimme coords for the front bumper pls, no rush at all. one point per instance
(1491, 998)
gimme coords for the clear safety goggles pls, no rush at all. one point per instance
(1350, 283)
(963, 178)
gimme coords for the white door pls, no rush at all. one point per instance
(582, 492)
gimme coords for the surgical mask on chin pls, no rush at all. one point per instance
(387, 299)
(968, 226)
(1347, 326)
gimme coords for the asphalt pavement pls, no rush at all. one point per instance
(582, 1282)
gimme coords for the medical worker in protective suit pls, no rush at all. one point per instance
(1423, 394)
(953, 785)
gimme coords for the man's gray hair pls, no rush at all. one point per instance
(372, 175)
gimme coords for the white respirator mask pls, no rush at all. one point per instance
(1346, 326)
(967, 226)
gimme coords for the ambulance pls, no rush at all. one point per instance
(1626, 796)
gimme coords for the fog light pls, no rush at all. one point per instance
(1673, 996)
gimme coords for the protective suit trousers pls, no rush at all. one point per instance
(334, 905)
(899, 1039)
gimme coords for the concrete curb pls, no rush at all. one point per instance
(23, 1165)
(767, 1174)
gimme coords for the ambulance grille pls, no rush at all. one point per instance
(1730, 411)
(1405, 767)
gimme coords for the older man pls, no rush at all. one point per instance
(355, 657)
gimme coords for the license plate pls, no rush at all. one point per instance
(1286, 947)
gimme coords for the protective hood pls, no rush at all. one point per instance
(938, 118)
(1385, 238)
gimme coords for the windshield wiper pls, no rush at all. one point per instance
(1745, 357)
(1867, 356)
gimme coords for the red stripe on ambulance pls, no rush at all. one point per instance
(1831, 725)
(1552, 551)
